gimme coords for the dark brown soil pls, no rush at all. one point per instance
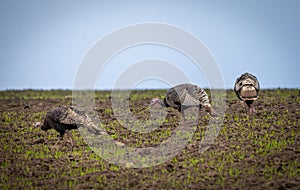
(250, 152)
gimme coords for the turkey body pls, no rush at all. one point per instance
(183, 96)
(64, 118)
(247, 89)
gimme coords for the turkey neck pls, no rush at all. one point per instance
(164, 103)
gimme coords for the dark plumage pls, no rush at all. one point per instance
(183, 96)
(64, 118)
(247, 88)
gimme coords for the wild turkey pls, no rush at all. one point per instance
(247, 88)
(64, 118)
(184, 96)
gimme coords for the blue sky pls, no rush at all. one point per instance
(43, 42)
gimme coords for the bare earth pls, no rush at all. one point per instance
(250, 152)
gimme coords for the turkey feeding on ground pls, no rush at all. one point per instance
(65, 118)
(247, 88)
(183, 96)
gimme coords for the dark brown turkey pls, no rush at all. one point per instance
(184, 96)
(65, 118)
(247, 88)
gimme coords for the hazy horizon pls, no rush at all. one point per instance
(61, 89)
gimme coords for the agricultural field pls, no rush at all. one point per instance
(250, 152)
